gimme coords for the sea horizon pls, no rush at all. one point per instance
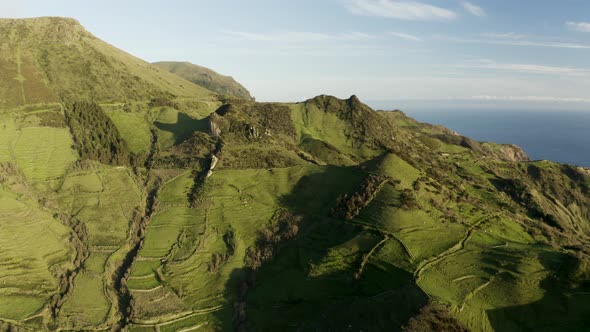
(555, 135)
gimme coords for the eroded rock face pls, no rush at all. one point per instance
(214, 129)
(584, 170)
(514, 153)
(214, 161)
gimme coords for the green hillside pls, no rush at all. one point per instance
(205, 77)
(50, 59)
(147, 203)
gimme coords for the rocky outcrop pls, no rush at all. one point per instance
(214, 129)
(510, 152)
(214, 161)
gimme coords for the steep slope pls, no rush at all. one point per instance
(51, 59)
(205, 77)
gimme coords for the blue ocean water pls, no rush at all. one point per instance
(562, 136)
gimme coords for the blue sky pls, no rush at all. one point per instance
(533, 53)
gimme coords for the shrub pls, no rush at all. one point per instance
(350, 205)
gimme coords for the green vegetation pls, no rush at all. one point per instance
(133, 128)
(131, 199)
(35, 249)
(55, 59)
(205, 77)
(95, 135)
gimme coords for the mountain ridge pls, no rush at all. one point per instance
(208, 78)
(38, 49)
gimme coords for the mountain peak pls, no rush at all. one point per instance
(51, 59)
(47, 28)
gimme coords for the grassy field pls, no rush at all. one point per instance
(44, 153)
(41, 153)
(103, 199)
(327, 127)
(134, 129)
(35, 250)
(92, 196)
(174, 126)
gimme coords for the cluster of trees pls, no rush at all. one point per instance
(217, 259)
(350, 205)
(5, 326)
(434, 317)
(283, 226)
(163, 102)
(96, 136)
(408, 200)
(194, 153)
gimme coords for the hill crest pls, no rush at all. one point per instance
(55, 59)
(207, 78)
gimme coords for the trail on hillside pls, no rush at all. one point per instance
(451, 251)
(366, 257)
(20, 78)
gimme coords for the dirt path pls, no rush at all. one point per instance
(366, 257)
(451, 251)
(474, 292)
(19, 77)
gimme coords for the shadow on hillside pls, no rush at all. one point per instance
(562, 308)
(184, 127)
(304, 287)
(316, 194)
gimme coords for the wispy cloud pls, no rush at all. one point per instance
(405, 36)
(403, 10)
(579, 26)
(528, 68)
(473, 9)
(516, 42)
(299, 36)
(505, 35)
(532, 99)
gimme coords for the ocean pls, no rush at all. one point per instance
(562, 136)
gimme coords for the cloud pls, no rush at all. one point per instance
(516, 42)
(403, 10)
(533, 99)
(405, 36)
(300, 37)
(529, 68)
(473, 9)
(506, 35)
(579, 26)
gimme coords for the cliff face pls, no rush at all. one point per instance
(513, 153)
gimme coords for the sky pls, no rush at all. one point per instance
(531, 54)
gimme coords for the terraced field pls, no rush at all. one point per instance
(35, 251)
